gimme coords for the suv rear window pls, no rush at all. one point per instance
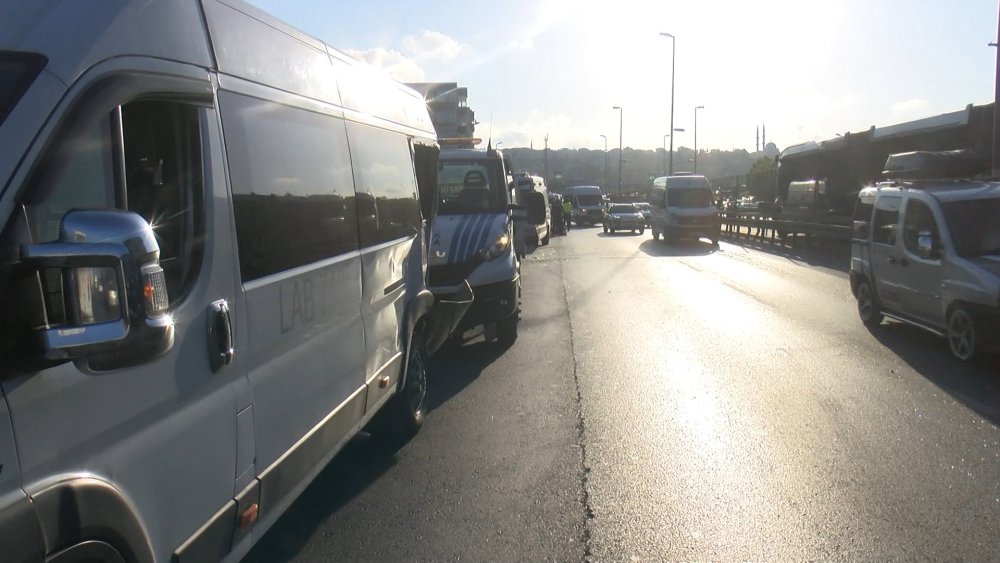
(17, 72)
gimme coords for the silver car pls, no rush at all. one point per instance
(928, 253)
(624, 216)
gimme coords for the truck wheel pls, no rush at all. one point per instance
(404, 414)
(962, 337)
(868, 305)
(507, 331)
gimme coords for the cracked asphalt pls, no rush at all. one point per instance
(675, 402)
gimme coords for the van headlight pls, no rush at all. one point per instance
(497, 248)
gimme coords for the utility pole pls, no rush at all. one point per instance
(546, 153)
(996, 109)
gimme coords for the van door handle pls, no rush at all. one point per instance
(220, 335)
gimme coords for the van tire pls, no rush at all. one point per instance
(545, 239)
(656, 235)
(868, 308)
(642, 230)
(404, 414)
(507, 331)
(963, 338)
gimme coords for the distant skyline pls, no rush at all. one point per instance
(807, 70)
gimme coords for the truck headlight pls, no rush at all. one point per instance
(497, 248)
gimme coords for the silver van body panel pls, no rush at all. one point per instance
(173, 442)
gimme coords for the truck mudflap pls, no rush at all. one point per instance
(447, 313)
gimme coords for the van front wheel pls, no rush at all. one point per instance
(962, 337)
(868, 305)
(507, 331)
(404, 414)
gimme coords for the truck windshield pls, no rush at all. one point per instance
(974, 227)
(468, 186)
(689, 198)
(17, 72)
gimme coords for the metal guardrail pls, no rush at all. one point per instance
(834, 228)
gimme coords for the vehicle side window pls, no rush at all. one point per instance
(164, 183)
(918, 218)
(862, 216)
(386, 187)
(293, 194)
(161, 143)
(886, 220)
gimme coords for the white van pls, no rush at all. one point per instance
(588, 204)
(212, 273)
(533, 195)
(472, 239)
(682, 207)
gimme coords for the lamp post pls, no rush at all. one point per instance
(621, 113)
(673, 53)
(605, 137)
(696, 137)
(664, 167)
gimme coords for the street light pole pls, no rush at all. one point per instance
(664, 167)
(696, 137)
(673, 59)
(605, 137)
(621, 113)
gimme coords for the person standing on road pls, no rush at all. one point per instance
(567, 211)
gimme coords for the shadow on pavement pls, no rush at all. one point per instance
(622, 234)
(678, 248)
(975, 385)
(835, 255)
(365, 458)
(456, 366)
(362, 461)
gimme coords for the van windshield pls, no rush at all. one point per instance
(974, 227)
(689, 198)
(469, 187)
(17, 72)
(588, 200)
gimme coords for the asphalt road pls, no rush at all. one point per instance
(676, 402)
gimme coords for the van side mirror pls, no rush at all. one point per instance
(925, 246)
(114, 291)
(518, 211)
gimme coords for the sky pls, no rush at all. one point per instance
(805, 70)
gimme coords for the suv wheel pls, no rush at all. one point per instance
(962, 334)
(867, 305)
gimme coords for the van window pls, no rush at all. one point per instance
(689, 197)
(918, 218)
(470, 186)
(973, 225)
(163, 183)
(386, 188)
(862, 215)
(17, 72)
(293, 193)
(588, 200)
(886, 219)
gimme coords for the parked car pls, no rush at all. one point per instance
(646, 209)
(927, 252)
(196, 318)
(622, 216)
